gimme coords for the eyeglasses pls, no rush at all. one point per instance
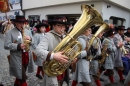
(60, 25)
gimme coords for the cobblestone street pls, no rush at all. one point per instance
(8, 80)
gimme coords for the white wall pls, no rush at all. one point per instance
(27, 4)
(61, 9)
(115, 11)
(124, 3)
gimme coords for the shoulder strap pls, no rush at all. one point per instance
(56, 35)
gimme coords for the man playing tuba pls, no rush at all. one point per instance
(46, 46)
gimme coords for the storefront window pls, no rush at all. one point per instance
(17, 1)
(14, 1)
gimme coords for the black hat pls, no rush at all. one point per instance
(19, 18)
(120, 28)
(111, 32)
(42, 24)
(59, 20)
(12, 20)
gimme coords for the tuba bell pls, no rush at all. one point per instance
(88, 18)
(103, 27)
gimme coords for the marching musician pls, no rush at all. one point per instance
(108, 43)
(19, 59)
(46, 46)
(41, 28)
(119, 53)
(96, 53)
(81, 74)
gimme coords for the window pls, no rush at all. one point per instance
(14, 1)
(17, 1)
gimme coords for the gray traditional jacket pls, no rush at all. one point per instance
(94, 70)
(81, 73)
(47, 44)
(111, 48)
(37, 38)
(119, 53)
(11, 42)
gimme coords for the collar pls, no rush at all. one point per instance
(52, 31)
(18, 29)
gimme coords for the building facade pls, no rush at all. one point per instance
(112, 11)
(15, 10)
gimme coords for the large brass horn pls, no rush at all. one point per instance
(88, 18)
(103, 27)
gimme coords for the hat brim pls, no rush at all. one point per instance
(40, 25)
(58, 22)
(20, 20)
(120, 29)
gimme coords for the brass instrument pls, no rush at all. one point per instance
(95, 46)
(25, 41)
(88, 18)
(125, 51)
(103, 27)
(126, 37)
(104, 52)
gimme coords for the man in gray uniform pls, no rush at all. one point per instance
(119, 53)
(47, 44)
(20, 55)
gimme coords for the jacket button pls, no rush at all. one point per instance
(20, 68)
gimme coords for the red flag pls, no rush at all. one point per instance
(4, 6)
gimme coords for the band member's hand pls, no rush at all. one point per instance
(127, 39)
(27, 38)
(75, 60)
(22, 46)
(120, 44)
(59, 57)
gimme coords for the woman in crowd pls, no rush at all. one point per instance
(41, 28)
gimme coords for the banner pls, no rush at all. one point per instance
(4, 6)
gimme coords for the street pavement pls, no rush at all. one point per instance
(32, 80)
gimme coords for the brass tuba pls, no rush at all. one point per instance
(88, 18)
(103, 27)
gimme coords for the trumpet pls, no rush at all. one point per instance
(126, 37)
(25, 41)
(125, 51)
